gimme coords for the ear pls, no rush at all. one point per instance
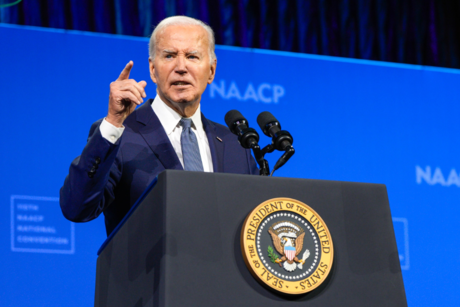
(212, 71)
(152, 71)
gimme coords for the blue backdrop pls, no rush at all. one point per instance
(352, 120)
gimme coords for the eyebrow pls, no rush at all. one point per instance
(173, 51)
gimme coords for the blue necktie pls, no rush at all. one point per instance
(190, 149)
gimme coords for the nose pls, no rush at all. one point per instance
(181, 67)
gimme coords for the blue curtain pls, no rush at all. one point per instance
(408, 31)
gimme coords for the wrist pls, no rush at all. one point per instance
(117, 121)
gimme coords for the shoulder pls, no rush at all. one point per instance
(220, 128)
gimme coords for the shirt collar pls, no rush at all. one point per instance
(170, 119)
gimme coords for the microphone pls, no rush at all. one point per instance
(281, 139)
(271, 127)
(238, 125)
(247, 137)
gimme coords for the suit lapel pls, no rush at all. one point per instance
(155, 136)
(216, 147)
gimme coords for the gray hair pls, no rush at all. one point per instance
(181, 20)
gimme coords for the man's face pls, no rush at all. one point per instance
(181, 68)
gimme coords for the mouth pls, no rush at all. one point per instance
(180, 83)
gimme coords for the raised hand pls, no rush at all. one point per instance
(125, 95)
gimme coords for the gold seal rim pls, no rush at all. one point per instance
(290, 286)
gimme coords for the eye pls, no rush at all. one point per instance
(168, 56)
(192, 57)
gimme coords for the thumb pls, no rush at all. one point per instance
(143, 83)
(125, 73)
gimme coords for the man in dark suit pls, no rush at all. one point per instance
(129, 148)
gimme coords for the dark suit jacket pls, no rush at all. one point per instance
(109, 178)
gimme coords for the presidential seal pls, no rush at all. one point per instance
(287, 246)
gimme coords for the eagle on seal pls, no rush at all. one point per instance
(284, 234)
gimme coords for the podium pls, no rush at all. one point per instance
(180, 244)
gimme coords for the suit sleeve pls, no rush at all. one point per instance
(89, 187)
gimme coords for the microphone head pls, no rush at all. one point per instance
(264, 119)
(233, 116)
(238, 125)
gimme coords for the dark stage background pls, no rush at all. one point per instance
(422, 32)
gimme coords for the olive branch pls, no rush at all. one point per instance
(271, 253)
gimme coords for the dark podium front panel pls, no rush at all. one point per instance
(181, 245)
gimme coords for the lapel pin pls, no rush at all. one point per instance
(219, 138)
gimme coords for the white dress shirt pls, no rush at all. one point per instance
(170, 120)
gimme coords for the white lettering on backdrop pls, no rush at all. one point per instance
(264, 92)
(436, 176)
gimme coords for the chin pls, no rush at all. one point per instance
(182, 99)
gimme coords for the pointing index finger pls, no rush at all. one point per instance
(125, 73)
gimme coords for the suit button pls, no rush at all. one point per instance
(98, 160)
(92, 172)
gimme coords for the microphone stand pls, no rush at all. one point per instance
(259, 154)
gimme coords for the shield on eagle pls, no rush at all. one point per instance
(289, 251)
(288, 241)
